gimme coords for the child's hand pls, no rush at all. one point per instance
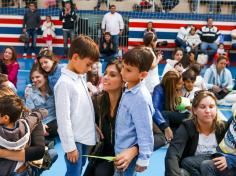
(73, 156)
(220, 163)
(123, 159)
(140, 168)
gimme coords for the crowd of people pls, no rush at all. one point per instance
(128, 112)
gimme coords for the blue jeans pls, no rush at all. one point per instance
(234, 46)
(180, 43)
(75, 169)
(116, 40)
(31, 33)
(130, 171)
(106, 59)
(25, 173)
(212, 46)
(69, 33)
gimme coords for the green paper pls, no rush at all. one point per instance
(108, 158)
(184, 102)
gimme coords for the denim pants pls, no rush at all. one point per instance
(75, 169)
(68, 33)
(130, 171)
(116, 40)
(212, 46)
(25, 173)
(195, 164)
(31, 33)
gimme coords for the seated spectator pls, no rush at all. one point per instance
(196, 137)
(50, 65)
(150, 29)
(177, 56)
(193, 40)
(143, 4)
(219, 78)
(97, 7)
(189, 79)
(9, 58)
(15, 131)
(107, 49)
(39, 95)
(5, 82)
(221, 51)
(209, 36)
(169, 5)
(165, 100)
(213, 6)
(200, 82)
(233, 37)
(181, 36)
(223, 161)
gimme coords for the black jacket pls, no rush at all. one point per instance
(31, 19)
(68, 20)
(3, 67)
(185, 144)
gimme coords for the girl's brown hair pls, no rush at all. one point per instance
(169, 81)
(199, 95)
(14, 55)
(47, 53)
(37, 68)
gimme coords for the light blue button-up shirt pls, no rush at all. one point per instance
(134, 123)
(34, 99)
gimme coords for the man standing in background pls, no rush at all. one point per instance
(113, 23)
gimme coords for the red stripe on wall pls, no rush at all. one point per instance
(39, 40)
(174, 26)
(20, 21)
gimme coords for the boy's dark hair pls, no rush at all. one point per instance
(113, 5)
(189, 75)
(141, 57)
(12, 106)
(84, 46)
(3, 78)
(196, 67)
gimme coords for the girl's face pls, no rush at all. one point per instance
(149, 25)
(178, 55)
(46, 64)
(221, 64)
(112, 79)
(94, 68)
(206, 111)
(193, 31)
(38, 79)
(48, 19)
(7, 55)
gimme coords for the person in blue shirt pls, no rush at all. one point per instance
(49, 64)
(39, 95)
(134, 116)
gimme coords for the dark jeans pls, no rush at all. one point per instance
(31, 33)
(102, 168)
(52, 129)
(174, 119)
(69, 33)
(159, 140)
(99, 3)
(195, 164)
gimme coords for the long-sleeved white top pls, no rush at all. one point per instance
(74, 110)
(112, 23)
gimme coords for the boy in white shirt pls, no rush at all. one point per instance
(74, 108)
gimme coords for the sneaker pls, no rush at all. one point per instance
(24, 55)
(33, 55)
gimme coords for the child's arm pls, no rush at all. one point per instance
(142, 117)
(62, 102)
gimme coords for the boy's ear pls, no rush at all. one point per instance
(75, 57)
(6, 118)
(143, 74)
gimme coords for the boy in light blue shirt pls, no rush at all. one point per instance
(134, 116)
